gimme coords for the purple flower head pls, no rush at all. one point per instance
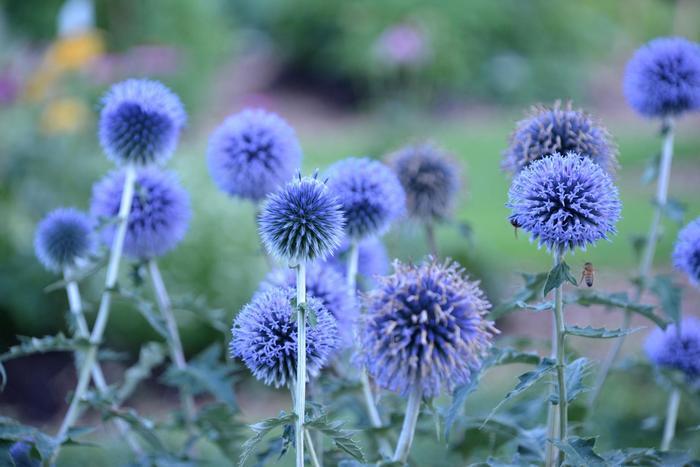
(140, 122)
(252, 154)
(564, 202)
(430, 178)
(63, 238)
(663, 77)
(679, 351)
(556, 129)
(265, 337)
(425, 325)
(370, 193)
(372, 260)
(160, 211)
(686, 254)
(301, 222)
(327, 285)
(21, 454)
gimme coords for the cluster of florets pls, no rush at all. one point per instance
(677, 349)
(686, 254)
(424, 325)
(64, 238)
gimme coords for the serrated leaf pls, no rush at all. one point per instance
(261, 429)
(669, 295)
(532, 290)
(599, 333)
(218, 423)
(651, 169)
(57, 343)
(148, 310)
(196, 306)
(79, 277)
(616, 300)
(341, 437)
(151, 355)
(674, 210)
(579, 452)
(142, 426)
(574, 374)
(12, 430)
(648, 457)
(557, 276)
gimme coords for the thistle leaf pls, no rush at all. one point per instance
(599, 333)
(151, 355)
(579, 452)
(557, 276)
(12, 430)
(261, 429)
(532, 290)
(57, 343)
(341, 437)
(669, 295)
(616, 300)
(574, 374)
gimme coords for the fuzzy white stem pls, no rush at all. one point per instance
(105, 302)
(408, 430)
(300, 392)
(674, 402)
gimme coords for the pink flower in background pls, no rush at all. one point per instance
(402, 44)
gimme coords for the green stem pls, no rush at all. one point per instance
(430, 238)
(408, 430)
(312, 452)
(174, 342)
(300, 391)
(647, 259)
(674, 402)
(103, 311)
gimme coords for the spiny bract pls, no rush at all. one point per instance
(425, 325)
(63, 238)
(253, 153)
(265, 337)
(686, 254)
(679, 351)
(565, 202)
(140, 122)
(160, 211)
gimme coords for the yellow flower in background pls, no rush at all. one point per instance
(64, 115)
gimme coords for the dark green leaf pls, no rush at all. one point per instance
(648, 457)
(57, 343)
(574, 374)
(196, 306)
(638, 243)
(579, 452)
(12, 430)
(599, 333)
(151, 355)
(532, 290)
(341, 437)
(144, 427)
(219, 424)
(669, 296)
(261, 429)
(616, 300)
(148, 311)
(651, 170)
(674, 210)
(557, 276)
(459, 397)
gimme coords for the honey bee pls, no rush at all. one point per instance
(588, 274)
(515, 225)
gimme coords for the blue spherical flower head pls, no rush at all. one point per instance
(301, 222)
(564, 202)
(265, 337)
(430, 177)
(370, 193)
(663, 77)
(686, 254)
(160, 211)
(557, 129)
(372, 258)
(21, 454)
(252, 154)
(63, 238)
(327, 285)
(425, 325)
(140, 122)
(679, 351)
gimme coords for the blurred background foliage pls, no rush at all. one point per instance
(354, 78)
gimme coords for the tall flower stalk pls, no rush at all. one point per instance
(300, 383)
(408, 429)
(558, 344)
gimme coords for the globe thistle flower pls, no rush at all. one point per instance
(301, 222)
(373, 259)
(663, 77)
(140, 122)
(686, 254)
(21, 454)
(430, 178)
(370, 193)
(63, 238)
(679, 351)
(265, 333)
(425, 325)
(327, 285)
(253, 153)
(564, 202)
(556, 129)
(159, 217)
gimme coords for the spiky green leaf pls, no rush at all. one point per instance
(599, 333)
(557, 276)
(260, 430)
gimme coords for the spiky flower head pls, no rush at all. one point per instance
(327, 285)
(676, 350)
(556, 129)
(370, 194)
(425, 325)
(140, 122)
(564, 202)
(63, 238)
(253, 153)
(663, 77)
(372, 258)
(686, 254)
(430, 177)
(159, 216)
(265, 336)
(301, 222)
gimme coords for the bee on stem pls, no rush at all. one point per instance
(588, 274)
(515, 225)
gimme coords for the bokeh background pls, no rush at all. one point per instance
(354, 78)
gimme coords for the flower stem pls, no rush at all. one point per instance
(551, 451)
(300, 390)
(76, 308)
(374, 418)
(430, 238)
(312, 452)
(647, 259)
(105, 302)
(674, 402)
(174, 343)
(408, 430)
